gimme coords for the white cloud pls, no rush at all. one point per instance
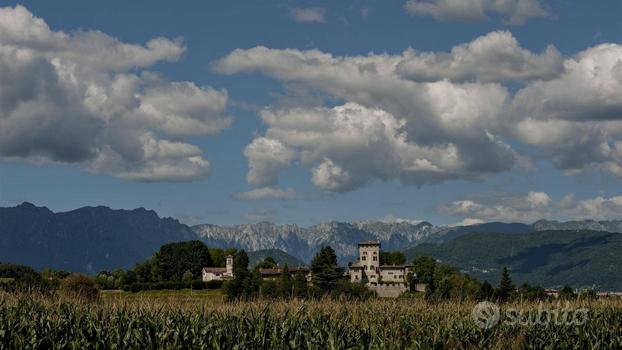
(267, 193)
(308, 14)
(87, 98)
(534, 206)
(512, 11)
(576, 119)
(442, 116)
(391, 127)
(496, 56)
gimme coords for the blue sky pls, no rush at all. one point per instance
(570, 177)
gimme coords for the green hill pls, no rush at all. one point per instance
(577, 258)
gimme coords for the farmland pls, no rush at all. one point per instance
(195, 320)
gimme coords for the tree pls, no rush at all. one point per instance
(506, 287)
(79, 286)
(187, 276)
(299, 285)
(174, 259)
(424, 268)
(285, 282)
(244, 284)
(267, 263)
(325, 272)
(143, 272)
(567, 293)
(219, 256)
(486, 291)
(392, 258)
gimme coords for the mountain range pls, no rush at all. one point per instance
(91, 239)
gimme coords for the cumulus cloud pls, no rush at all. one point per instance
(424, 117)
(308, 14)
(511, 11)
(576, 119)
(389, 128)
(267, 193)
(496, 56)
(532, 207)
(87, 98)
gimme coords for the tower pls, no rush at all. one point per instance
(369, 258)
(229, 265)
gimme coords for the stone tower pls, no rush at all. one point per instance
(369, 258)
(229, 265)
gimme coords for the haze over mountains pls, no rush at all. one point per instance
(91, 239)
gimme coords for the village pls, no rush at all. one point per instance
(385, 280)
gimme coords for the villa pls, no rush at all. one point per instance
(367, 270)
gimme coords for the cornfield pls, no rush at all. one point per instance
(31, 322)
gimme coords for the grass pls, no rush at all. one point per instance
(201, 320)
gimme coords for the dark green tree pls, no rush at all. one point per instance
(392, 258)
(486, 291)
(506, 287)
(285, 282)
(174, 259)
(219, 255)
(267, 263)
(567, 293)
(325, 272)
(424, 268)
(299, 285)
(244, 285)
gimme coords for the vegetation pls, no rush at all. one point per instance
(174, 259)
(325, 272)
(80, 287)
(28, 322)
(392, 258)
(581, 259)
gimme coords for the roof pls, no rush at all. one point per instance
(215, 269)
(394, 267)
(369, 243)
(270, 271)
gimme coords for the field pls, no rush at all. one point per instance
(201, 320)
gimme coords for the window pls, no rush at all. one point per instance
(375, 258)
(364, 253)
(364, 258)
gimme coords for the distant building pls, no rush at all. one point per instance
(219, 273)
(225, 273)
(367, 268)
(272, 274)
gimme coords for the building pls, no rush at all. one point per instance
(225, 273)
(219, 273)
(367, 268)
(275, 273)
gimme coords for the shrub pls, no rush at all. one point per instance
(351, 291)
(80, 286)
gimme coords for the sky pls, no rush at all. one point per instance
(227, 112)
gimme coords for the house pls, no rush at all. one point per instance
(367, 268)
(219, 273)
(275, 273)
(225, 273)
